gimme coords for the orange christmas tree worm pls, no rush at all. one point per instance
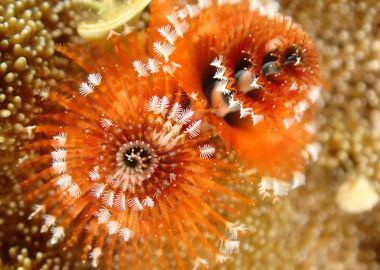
(256, 75)
(128, 171)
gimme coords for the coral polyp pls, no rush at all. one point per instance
(132, 170)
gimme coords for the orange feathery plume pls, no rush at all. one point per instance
(254, 71)
(131, 174)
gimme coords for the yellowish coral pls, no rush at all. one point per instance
(347, 38)
(309, 230)
(109, 15)
(357, 195)
(22, 246)
(29, 31)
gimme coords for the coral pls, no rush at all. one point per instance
(22, 246)
(29, 31)
(350, 56)
(357, 195)
(106, 16)
(306, 230)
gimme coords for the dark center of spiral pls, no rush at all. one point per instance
(136, 161)
(137, 157)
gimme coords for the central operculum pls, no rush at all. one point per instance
(137, 157)
(136, 161)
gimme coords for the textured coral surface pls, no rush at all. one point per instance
(29, 32)
(308, 230)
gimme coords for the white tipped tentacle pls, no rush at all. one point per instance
(179, 26)
(234, 230)
(230, 246)
(170, 68)
(113, 227)
(194, 129)
(199, 262)
(206, 151)
(49, 221)
(103, 215)
(244, 112)
(153, 65)
(38, 208)
(94, 174)
(257, 118)
(106, 123)
(163, 106)
(294, 86)
(94, 79)
(97, 190)
(176, 111)
(313, 150)
(126, 234)
(140, 68)
(61, 139)
(60, 167)
(233, 104)
(108, 198)
(269, 8)
(154, 103)
(254, 84)
(74, 191)
(299, 179)
(219, 74)
(120, 202)
(44, 93)
(288, 122)
(220, 258)
(169, 34)
(94, 256)
(204, 4)
(172, 177)
(315, 94)
(64, 181)
(217, 62)
(185, 116)
(135, 204)
(163, 49)
(193, 10)
(85, 89)
(58, 234)
(277, 187)
(59, 154)
(148, 202)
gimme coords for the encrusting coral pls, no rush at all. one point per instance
(350, 56)
(107, 16)
(308, 229)
(29, 30)
(349, 127)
